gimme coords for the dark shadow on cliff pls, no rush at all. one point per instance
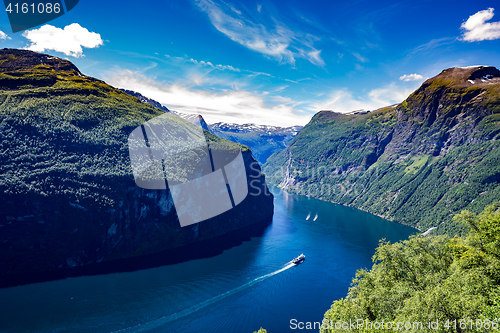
(199, 250)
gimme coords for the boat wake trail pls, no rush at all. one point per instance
(163, 320)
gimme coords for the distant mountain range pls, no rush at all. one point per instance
(418, 163)
(263, 140)
(147, 100)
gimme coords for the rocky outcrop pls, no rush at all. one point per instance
(147, 100)
(196, 119)
(418, 162)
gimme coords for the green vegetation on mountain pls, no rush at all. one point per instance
(452, 281)
(417, 163)
(67, 193)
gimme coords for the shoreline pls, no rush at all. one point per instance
(361, 209)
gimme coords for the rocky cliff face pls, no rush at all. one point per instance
(67, 193)
(445, 111)
(147, 100)
(263, 140)
(418, 163)
(192, 118)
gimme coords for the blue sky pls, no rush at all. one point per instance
(268, 62)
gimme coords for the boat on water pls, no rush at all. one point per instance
(300, 259)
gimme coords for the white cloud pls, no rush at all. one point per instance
(315, 58)
(411, 77)
(280, 42)
(229, 106)
(475, 29)
(3, 35)
(209, 64)
(360, 57)
(69, 40)
(344, 101)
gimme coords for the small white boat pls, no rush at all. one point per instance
(300, 259)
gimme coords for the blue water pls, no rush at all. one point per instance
(240, 290)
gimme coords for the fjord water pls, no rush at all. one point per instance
(240, 290)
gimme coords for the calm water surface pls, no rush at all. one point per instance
(240, 290)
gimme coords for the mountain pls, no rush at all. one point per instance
(263, 140)
(418, 162)
(192, 118)
(147, 100)
(68, 199)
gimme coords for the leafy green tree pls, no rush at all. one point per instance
(261, 330)
(454, 282)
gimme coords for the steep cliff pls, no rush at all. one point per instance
(145, 99)
(67, 192)
(418, 162)
(263, 140)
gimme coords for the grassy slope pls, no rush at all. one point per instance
(73, 119)
(415, 163)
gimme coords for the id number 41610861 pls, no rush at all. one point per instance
(32, 8)
(471, 324)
